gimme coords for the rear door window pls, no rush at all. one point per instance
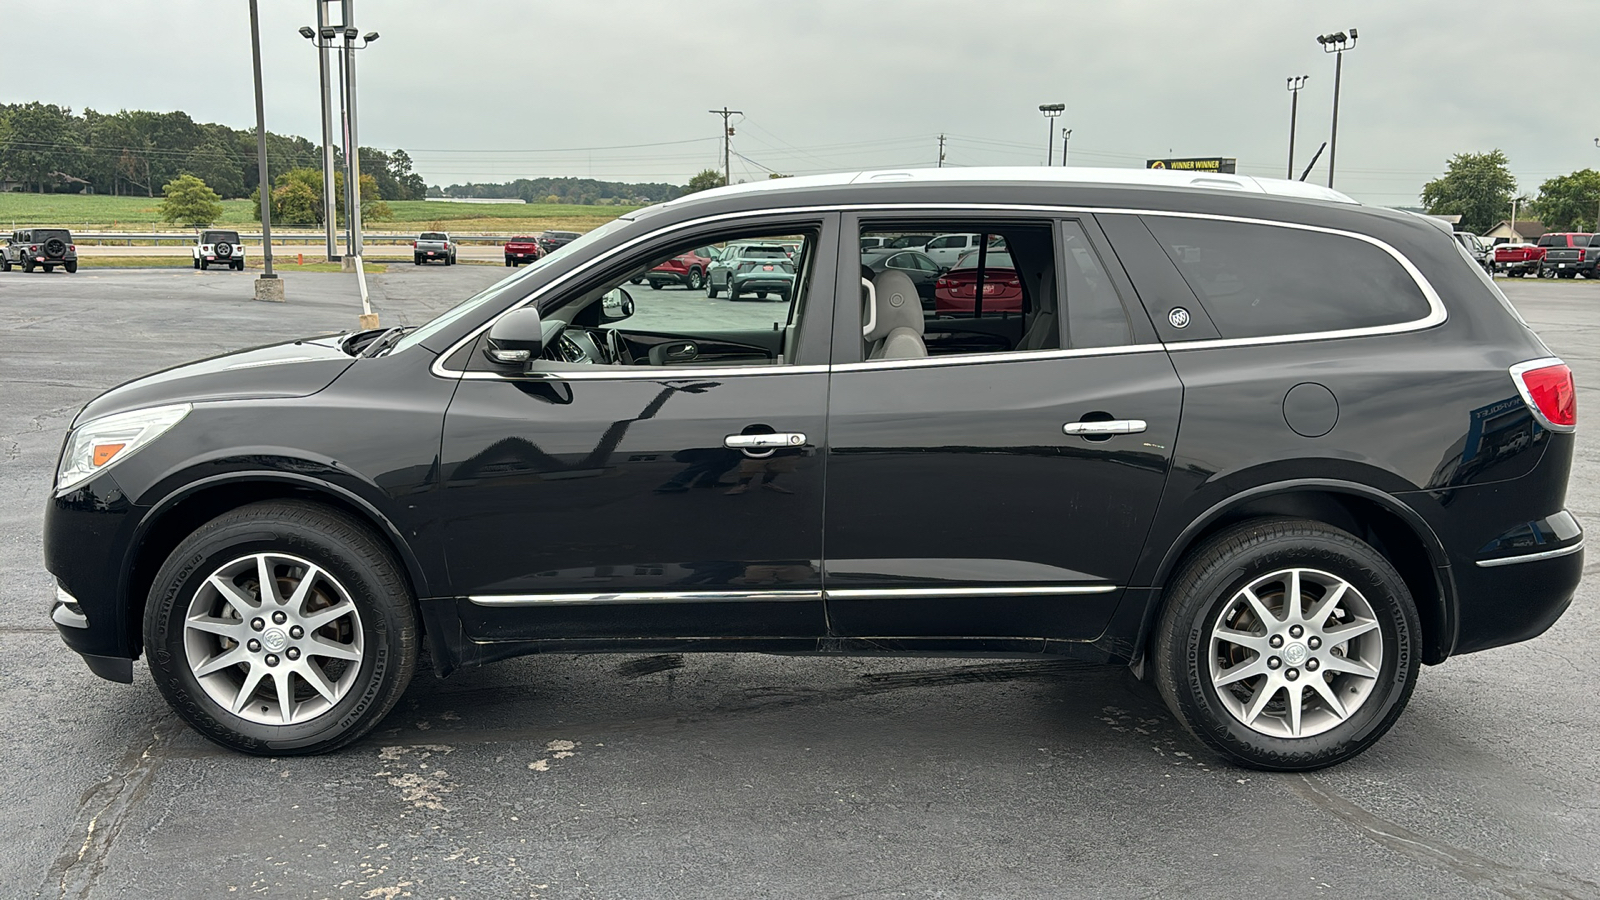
(1269, 280)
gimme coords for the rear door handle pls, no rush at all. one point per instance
(764, 441)
(1114, 426)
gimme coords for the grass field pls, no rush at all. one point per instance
(102, 213)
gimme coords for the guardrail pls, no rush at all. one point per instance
(100, 238)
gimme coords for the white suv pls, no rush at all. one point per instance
(221, 248)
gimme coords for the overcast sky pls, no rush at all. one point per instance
(491, 90)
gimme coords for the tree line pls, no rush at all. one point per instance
(1480, 188)
(46, 148)
(586, 191)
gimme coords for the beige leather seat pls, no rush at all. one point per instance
(894, 326)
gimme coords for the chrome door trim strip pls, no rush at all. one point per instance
(1437, 313)
(913, 593)
(652, 373)
(644, 597)
(1530, 557)
(632, 597)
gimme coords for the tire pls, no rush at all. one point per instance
(238, 265)
(711, 289)
(373, 641)
(71, 267)
(205, 264)
(733, 292)
(5, 263)
(510, 264)
(196, 262)
(27, 265)
(696, 279)
(48, 268)
(636, 281)
(1208, 590)
(416, 260)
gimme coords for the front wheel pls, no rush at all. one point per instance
(711, 289)
(281, 628)
(1287, 644)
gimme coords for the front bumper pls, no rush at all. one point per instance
(73, 624)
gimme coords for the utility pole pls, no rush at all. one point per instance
(1336, 44)
(941, 150)
(268, 287)
(1295, 84)
(727, 141)
(1066, 138)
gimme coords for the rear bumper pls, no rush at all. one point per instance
(1507, 600)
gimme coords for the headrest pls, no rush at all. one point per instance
(898, 304)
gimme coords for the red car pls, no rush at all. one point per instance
(955, 290)
(688, 269)
(521, 250)
(1517, 260)
(1562, 254)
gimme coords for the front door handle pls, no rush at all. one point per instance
(1113, 426)
(763, 441)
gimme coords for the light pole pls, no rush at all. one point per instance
(1066, 138)
(1051, 111)
(727, 141)
(1295, 84)
(268, 287)
(1336, 44)
(322, 38)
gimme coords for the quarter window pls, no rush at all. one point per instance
(1268, 280)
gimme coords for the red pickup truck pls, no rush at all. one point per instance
(521, 250)
(1517, 260)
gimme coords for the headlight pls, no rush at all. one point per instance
(99, 444)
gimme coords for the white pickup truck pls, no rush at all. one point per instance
(433, 245)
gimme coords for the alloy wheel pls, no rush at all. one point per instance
(1295, 653)
(273, 639)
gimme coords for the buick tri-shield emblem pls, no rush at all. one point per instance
(1179, 317)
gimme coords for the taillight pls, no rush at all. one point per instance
(1580, 256)
(413, 245)
(33, 248)
(1547, 387)
(74, 248)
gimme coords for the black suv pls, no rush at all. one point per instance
(554, 240)
(1272, 449)
(33, 248)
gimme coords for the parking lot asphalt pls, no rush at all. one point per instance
(738, 775)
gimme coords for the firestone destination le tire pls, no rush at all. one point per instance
(337, 625)
(1286, 644)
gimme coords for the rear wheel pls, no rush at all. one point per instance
(205, 264)
(27, 265)
(695, 279)
(71, 267)
(238, 265)
(281, 628)
(1287, 644)
(196, 262)
(416, 260)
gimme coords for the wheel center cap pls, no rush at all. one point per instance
(276, 639)
(1294, 654)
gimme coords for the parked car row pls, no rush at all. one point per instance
(1559, 254)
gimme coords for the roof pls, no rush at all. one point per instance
(1039, 175)
(1525, 227)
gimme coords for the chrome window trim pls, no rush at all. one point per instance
(632, 597)
(644, 597)
(1437, 313)
(969, 359)
(1530, 557)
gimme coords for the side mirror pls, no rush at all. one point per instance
(516, 339)
(616, 306)
(944, 270)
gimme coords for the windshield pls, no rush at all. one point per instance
(509, 284)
